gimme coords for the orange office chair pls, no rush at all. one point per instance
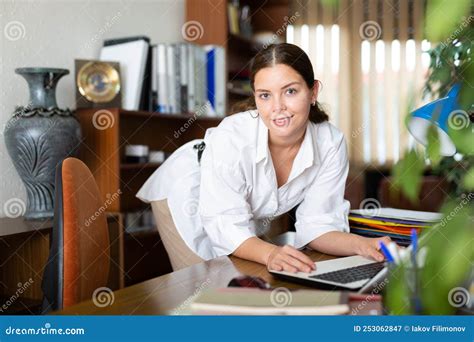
(78, 262)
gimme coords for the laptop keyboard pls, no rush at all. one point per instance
(349, 275)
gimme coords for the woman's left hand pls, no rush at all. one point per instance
(370, 247)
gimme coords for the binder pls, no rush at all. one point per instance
(133, 55)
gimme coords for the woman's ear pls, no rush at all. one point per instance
(315, 91)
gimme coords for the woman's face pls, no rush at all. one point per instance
(283, 100)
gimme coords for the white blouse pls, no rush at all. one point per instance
(233, 194)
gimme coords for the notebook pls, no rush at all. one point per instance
(279, 301)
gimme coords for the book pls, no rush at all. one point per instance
(132, 56)
(176, 79)
(216, 84)
(183, 77)
(171, 78)
(253, 301)
(154, 78)
(163, 102)
(201, 79)
(191, 78)
(233, 17)
(400, 215)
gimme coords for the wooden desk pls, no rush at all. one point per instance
(161, 295)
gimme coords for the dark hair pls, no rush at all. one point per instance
(292, 56)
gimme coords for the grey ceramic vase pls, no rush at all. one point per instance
(38, 137)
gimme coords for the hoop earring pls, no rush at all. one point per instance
(254, 117)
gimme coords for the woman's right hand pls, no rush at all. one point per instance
(289, 259)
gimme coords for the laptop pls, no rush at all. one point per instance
(353, 273)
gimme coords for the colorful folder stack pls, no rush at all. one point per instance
(395, 223)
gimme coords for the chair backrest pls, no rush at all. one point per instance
(79, 257)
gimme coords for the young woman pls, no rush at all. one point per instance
(254, 166)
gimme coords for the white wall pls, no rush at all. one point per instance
(53, 34)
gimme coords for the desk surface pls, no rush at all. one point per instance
(163, 294)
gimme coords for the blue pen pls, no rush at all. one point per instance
(414, 246)
(386, 252)
(414, 241)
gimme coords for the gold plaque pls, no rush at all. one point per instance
(98, 82)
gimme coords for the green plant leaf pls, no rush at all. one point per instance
(434, 145)
(461, 132)
(467, 83)
(442, 18)
(450, 255)
(407, 175)
(468, 180)
(330, 3)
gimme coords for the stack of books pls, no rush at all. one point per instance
(169, 78)
(395, 223)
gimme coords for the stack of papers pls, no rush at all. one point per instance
(395, 223)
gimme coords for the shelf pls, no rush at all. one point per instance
(139, 166)
(170, 116)
(244, 44)
(239, 92)
(144, 231)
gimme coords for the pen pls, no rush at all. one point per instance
(414, 246)
(385, 251)
(414, 250)
(393, 249)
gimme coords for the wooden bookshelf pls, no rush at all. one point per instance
(138, 166)
(266, 16)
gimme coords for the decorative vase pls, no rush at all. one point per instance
(39, 136)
